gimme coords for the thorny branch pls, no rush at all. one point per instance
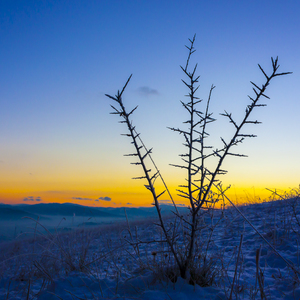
(200, 179)
(121, 111)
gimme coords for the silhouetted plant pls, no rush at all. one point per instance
(203, 188)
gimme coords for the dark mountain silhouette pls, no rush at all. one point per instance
(70, 209)
(141, 212)
(9, 212)
(65, 209)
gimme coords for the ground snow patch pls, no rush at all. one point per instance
(107, 264)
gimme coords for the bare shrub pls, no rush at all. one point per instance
(202, 186)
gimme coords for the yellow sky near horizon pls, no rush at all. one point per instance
(120, 192)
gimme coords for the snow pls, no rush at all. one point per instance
(115, 262)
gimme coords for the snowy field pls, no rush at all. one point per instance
(131, 261)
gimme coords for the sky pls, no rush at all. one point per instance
(58, 140)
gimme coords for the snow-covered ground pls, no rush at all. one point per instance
(117, 262)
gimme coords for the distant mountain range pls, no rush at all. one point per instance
(9, 212)
(64, 209)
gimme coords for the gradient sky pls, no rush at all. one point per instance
(58, 142)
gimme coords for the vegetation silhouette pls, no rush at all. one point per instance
(202, 186)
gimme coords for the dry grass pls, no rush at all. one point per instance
(126, 252)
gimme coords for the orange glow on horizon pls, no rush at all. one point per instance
(122, 196)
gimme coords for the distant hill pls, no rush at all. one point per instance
(132, 212)
(141, 212)
(8, 212)
(65, 209)
(70, 209)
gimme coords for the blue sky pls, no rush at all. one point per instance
(58, 59)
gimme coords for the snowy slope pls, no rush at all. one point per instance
(114, 262)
